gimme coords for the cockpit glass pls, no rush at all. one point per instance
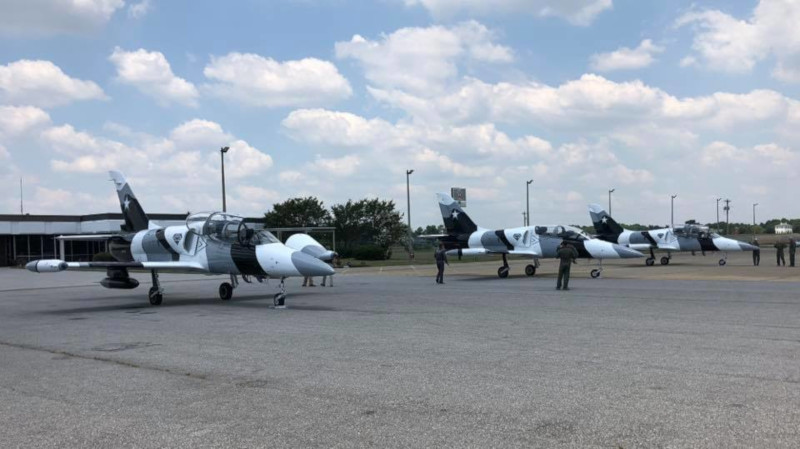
(264, 237)
(564, 232)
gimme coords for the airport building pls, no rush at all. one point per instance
(28, 237)
(783, 228)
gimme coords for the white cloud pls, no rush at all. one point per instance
(43, 84)
(139, 10)
(626, 58)
(336, 167)
(150, 72)
(254, 80)
(48, 17)
(17, 120)
(423, 59)
(578, 12)
(728, 44)
(190, 153)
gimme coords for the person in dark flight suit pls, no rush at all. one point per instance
(567, 255)
(756, 253)
(441, 259)
(779, 247)
(792, 251)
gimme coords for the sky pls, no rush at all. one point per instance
(338, 98)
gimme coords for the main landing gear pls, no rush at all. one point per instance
(665, 260)
(502, 272)
(650, 261)
(226, 288)
(156, 292)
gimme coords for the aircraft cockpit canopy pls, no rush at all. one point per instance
(563, 232)
(227, 228)
(693, 231)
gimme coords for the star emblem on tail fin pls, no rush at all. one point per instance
(454, 214)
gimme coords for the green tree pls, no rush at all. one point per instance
(367, 221)
(297, 212)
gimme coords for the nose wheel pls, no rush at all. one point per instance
(597, 272)
(279, 300)
(226, 288)
(665, 260)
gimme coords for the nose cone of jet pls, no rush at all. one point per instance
(748, 247)
(627, 253)
(311, 266)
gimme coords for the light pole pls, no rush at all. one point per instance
(528, 202)
(609, 200)
(222, 152)
(524, 219)
(672, 210)
(754, 219)
(718, 200)
(408, 202)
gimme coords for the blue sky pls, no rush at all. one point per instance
(336, 98)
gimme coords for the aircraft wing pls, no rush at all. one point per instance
(86, 237)
(433, 236)
(53, 265)
(484, 251)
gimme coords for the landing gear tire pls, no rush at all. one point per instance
(155, 296)
(530, 270)
(225, 291)
(279, 300)
(502, 272)
(650, 261)
(722, 262)
(665, 260)
(595, 273)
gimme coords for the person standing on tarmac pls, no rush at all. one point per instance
(441, 258)
(792, 250)
(757, 252)
(567, 255)
(779, 247)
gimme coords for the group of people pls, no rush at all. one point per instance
(780, 247)
(566, 254)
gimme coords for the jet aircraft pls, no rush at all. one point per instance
(687, 237)
(464, 237)
(209, 242)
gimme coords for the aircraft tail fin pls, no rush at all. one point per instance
(456, 221)
(135, 218)
(603, 223)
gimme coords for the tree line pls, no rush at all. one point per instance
(366, 229)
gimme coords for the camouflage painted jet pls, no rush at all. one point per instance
(687, 237)
(464, 237)
(209, 242)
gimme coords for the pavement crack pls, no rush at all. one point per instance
(104, 360)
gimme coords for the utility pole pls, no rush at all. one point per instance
(222, 152)
(754, 219)
(727, 210)
(718, 200)
(524, 219)
(672, 210)
(408, 203)
(21, 209)
(528, 202)
(609, 200)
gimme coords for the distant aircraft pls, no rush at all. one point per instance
(687, 237)
(209, 242)
(464, 237)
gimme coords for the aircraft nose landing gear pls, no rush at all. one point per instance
(280, 298)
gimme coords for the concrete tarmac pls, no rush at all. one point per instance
(393, 360)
